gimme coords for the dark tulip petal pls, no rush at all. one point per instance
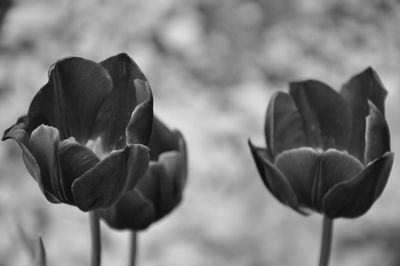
(139, 127)
(377, 135)
(366, 86)
(41, 109)
(356, 96)
(259, 155)
(106, 182)
(274, 179)
(133, 211)
(43, 146)
(155, 195)
(151, 187)
(116, 111)
(18, 131)
(175, 164)
(326, 116)
(71, 99)
(75, 160)
(354, 197)
(41, 168)
(336, 167)
(301, 168)
(377, 92)
(175, 171)
(384, 174)
(162, 139)
(155, 187)
(283, 125)
(175, 176)
(357, 91)
(143, 90)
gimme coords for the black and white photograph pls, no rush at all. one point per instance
(200, 133)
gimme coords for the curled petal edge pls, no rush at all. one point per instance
(140, 124)
(377, 137)
(21, 137)
(275, 181)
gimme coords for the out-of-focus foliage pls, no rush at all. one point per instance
(212, 66)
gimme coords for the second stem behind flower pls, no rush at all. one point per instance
(326, 241)
(133, 249)
(96, 238)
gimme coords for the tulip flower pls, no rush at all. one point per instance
(160, 190)
(327, 151)
(85, 134)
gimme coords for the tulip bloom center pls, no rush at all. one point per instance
(312, 173)
(97, 147)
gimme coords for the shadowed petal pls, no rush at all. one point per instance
(354, 197)
(356, 92)
(274, 179)
(301, 168)
(174, 178)
(75, 160)
(156, 187)
(259, 155)
(377, 135)
(155, 195)
(336, 167)
(105, 183)
(133, 211)
(70, 100)
(20, 135)
(162, 139)
(365, 86)
(326, 117)
(116, 111)
(176, 166)
(139, 127)
(43, 147)
(283, 124)
(164, 181)
(144, 204)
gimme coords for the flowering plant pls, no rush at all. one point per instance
(160, 190)
(326, 151)
(85, 135)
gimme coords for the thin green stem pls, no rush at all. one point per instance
(96, 238)
(133, 249)
(326, 241)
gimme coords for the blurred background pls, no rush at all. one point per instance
(213, 66)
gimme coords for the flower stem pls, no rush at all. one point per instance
(326, 241)
(133, 249)
(96, 238)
